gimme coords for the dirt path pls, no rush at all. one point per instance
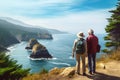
(111, 72)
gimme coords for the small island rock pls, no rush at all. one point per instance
(38, 50)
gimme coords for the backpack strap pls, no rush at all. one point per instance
(80, 39)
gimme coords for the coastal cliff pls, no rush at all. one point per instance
(6, 38)
(22, 33)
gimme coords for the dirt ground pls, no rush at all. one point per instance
(110, 72)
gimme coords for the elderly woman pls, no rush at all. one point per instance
(80, 48)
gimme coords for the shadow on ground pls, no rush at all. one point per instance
(101, 76)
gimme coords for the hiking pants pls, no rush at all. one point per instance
(78, 58)
(92, 62)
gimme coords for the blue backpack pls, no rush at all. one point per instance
(80, 46)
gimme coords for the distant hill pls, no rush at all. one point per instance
(31, 27)
(54, 31)
(24, 33)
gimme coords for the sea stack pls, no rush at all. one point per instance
(38, 50)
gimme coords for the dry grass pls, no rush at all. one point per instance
(44, 75)
(36, 77)
(56, 71)
(115, 55)
(110, 57)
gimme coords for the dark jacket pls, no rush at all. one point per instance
(92, 42)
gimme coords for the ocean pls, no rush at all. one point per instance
(60, 48)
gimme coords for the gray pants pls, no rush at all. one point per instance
(92, 62)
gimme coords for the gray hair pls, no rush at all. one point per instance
(90, 31)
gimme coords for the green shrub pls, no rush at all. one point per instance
(10, 70)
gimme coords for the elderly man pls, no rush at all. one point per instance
(92, 42)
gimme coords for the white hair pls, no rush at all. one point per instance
(90, 31)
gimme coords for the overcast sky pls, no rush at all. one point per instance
(67, 15)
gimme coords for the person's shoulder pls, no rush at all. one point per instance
(89, 37)
(95, 36)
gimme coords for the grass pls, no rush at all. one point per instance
(43, 71)
(44, 74)
(110, 57)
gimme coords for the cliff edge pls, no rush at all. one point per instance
(108, 68)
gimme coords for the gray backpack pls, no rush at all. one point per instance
(80, 46)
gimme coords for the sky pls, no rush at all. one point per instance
(65, 15)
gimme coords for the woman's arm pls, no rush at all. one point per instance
(74, 48)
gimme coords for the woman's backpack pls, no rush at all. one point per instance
(80, 46)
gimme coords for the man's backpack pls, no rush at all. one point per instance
(80, 46)
(98, 48)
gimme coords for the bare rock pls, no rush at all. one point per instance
(31, 43)
(68, 71)
(101, 65)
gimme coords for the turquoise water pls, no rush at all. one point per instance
(60, 48)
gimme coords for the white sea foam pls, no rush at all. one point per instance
(54, 58)
(12, 48)
(42, 58)
(59, 63)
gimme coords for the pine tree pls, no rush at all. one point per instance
(10, 70)
(113, 30)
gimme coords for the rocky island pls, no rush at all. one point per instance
(38, 50)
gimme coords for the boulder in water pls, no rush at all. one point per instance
(39, 51)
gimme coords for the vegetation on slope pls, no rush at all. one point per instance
(110, 57)
(6, 38)
(113, 30)
(10, 70)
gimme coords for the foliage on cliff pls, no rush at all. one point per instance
(6, 38)
(113, 30)
(10, 70)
